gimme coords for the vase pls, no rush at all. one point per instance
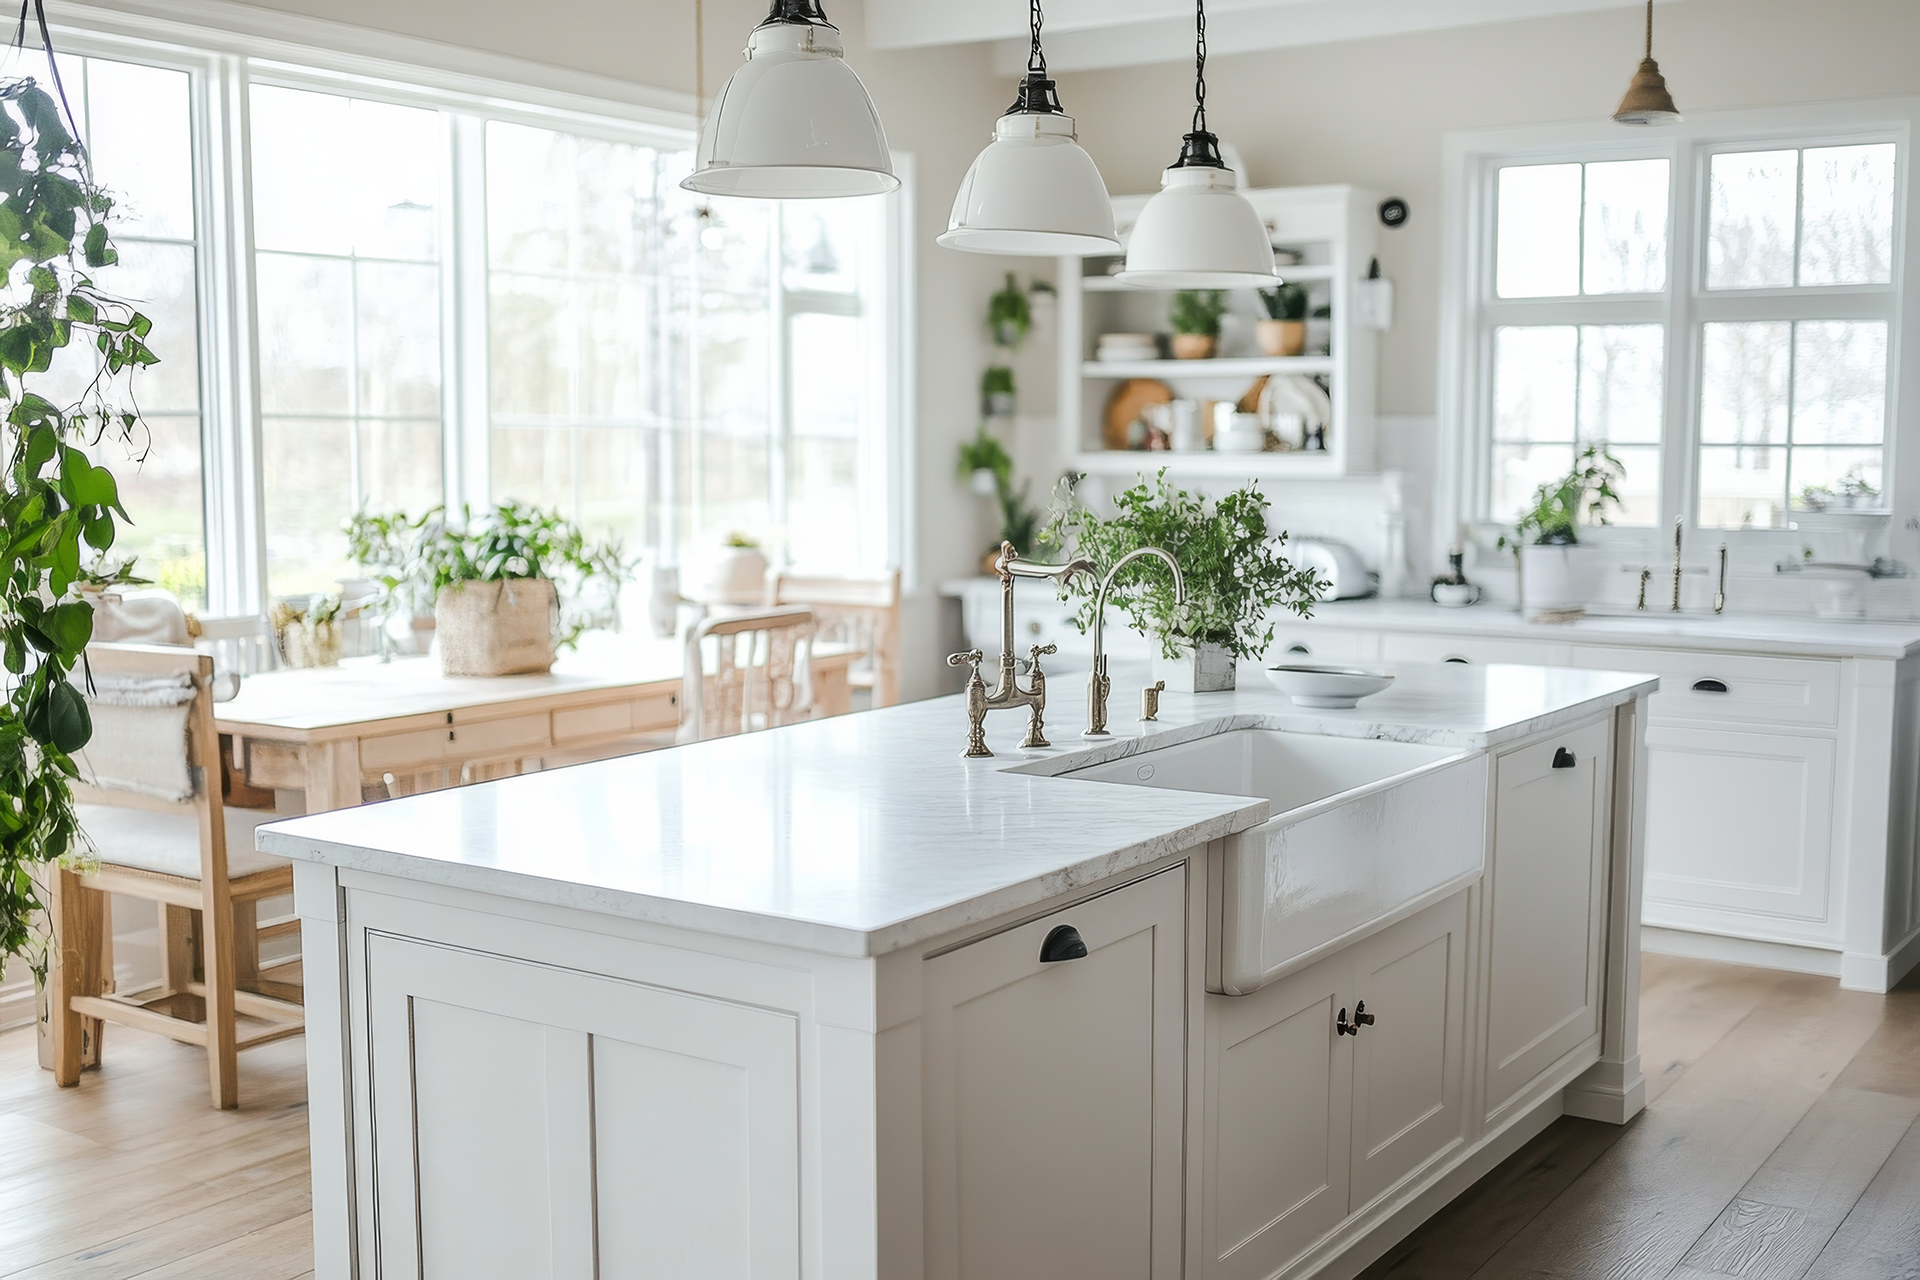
(1555, 582)
(1193, 346)
(1280, 337)
(495, 628)
(740, 577)
(1201, 668)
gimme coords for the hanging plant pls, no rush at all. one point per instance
(56, 506)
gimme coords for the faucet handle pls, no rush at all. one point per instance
(1036, 652)
(972, 658)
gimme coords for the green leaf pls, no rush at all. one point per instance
(70, 625)
(85, 485)
(68, 721)
(98, 531)
(99, 253)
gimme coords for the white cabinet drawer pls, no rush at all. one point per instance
(1320, 644)
(1475, 649)
(1723, 686)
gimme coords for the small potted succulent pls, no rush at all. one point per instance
(1284, 331)
(1229, 557)
(1554, 577)
(1195, 316)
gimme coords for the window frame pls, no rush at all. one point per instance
(1471, 310)
(251, 46)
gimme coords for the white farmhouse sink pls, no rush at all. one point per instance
(1361, 832)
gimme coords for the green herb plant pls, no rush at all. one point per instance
(1009, 315)
(1229, 555)
(57, 507)
(1285, 302)
(1198, 311)
(1588, 489)
(415, 558)
(1019, 519)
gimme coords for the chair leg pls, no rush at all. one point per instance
(246, 945)
(216, 937)
(79, 916)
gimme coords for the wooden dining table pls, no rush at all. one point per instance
(335, 732)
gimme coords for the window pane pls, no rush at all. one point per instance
(309, 492)
(1533, 382)
(342, 175)
(1848, 479)
(1639, 488)
(530, 344)
(1742, 488)
(158, 473)
(1538, 248)
(1621, 386)
(158, 278)
(1626, 227)
(400, 464)
(306, 334)
(529, 185)
(1750, 220)
(397, 339)
(1519, 469)
(136, 119)
(1846, 215)
(822, 244)
(1839, 382)
(1743, 383)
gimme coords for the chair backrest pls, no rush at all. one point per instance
(862, 613)
(154, 745)
(760, 675)
(241, 643)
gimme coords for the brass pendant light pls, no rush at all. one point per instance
(1647, 100)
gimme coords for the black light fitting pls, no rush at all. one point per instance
(1200, 149)
(1037, 95)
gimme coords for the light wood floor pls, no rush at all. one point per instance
(1779, 1141)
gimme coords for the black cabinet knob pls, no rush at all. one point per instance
(1361, 1018)
(1562, 758)
(1709, 685)
(1063, 943)
(1341, 1027)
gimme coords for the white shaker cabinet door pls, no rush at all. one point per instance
(1547, 899)
(1739, 821)
(1409, 1050)
(1053, 1094)
(531, 1122)
(1279, 1087)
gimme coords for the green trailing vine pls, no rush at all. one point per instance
(57, 508)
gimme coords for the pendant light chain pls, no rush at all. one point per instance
(1200, 66)
(1036, 58)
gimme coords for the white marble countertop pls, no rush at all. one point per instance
(1732, 632)
(866, 833)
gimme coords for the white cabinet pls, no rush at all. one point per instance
(1054, 1093)
(1546, 903)
(1329, 1087)
(530, 1121)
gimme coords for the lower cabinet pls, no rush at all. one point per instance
(532, 1121)
(1329, 1087)
(1054, 1088)
(1546, 905)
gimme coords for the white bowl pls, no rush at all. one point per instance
(1330, 687)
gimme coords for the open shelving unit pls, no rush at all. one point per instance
(1335, 233)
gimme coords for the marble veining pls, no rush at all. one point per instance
(863, 834)
(1727, 633)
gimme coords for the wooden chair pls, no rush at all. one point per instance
(863, 613)
(152, 810)
(759, 677)
(242, 644)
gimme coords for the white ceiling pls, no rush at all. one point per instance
(1086, 34)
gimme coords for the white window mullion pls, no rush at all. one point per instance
(466, 414)
(1686, 229)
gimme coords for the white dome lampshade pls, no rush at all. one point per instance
(1034, 190)
(1199, 232)
(794, 122)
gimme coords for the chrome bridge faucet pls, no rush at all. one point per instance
(1098, 685)
(1008, 693)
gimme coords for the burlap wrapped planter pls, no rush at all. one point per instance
(495, 628)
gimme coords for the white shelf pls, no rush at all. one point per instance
(1218, 367)
(1303, 464)
(1302, 271)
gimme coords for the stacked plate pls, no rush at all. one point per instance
(1127, 346)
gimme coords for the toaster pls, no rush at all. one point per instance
(1338, 564)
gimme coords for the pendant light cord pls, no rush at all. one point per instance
(1649, 28)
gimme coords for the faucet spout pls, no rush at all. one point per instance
(1097, 683)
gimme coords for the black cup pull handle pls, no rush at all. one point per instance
(1063, 943)
(1709, 685)
(1562, 758)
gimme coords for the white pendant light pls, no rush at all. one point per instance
(794, 122)
(1199, 232)
(1034, 190)
(1647, 100)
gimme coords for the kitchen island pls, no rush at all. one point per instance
(830, 1001)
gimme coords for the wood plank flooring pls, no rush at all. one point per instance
(1781, 1142)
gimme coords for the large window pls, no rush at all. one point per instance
(1715, 313)
(376, 295)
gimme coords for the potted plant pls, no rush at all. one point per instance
(1554, 582)
(307, 630)
(1284, 331)
(1195, 317)
(1229, 556)
(509, 587)
(740, 575)
(382, 545)
(996, 392)
(987, 468)
(1009, 317)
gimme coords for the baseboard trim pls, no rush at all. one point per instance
(1748, 951)
(1867, 972)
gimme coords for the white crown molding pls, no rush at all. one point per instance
(319, 45)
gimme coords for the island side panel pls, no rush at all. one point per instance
(1614, 1089)
(317, 903)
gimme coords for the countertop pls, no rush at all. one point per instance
(863, 834)
(1731, 632)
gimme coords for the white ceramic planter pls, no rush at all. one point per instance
(1556, 580)
(739, 577)
(1203, 668)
